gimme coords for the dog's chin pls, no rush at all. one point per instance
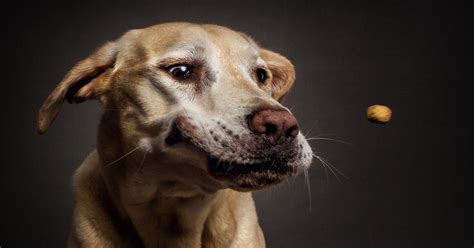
(251, 176)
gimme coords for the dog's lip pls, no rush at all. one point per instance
(264, 173)
(174, 135)
(232, 169)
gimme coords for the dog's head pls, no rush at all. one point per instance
(195, 94)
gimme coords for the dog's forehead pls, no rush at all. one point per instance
(180, 39)
(231, 41)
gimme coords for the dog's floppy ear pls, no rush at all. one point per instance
(88, 79)
(283, 73)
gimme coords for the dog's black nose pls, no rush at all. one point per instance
(274, 123)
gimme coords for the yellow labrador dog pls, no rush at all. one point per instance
(192, 123)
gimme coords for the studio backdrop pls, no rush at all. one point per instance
(407, 183)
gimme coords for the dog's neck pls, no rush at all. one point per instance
(162, 218)
(179, 222)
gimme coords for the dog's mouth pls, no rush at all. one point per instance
(251, 176)
(267, 165)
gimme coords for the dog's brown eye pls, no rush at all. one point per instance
(180, 72)
(261, 75)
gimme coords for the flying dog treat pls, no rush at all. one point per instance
(379, 113)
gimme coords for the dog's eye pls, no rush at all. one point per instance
(180, 72)
(261, 75)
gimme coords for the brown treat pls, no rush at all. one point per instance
(379, 113)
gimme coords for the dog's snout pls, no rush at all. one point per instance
(275, 124)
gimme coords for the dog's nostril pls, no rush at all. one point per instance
(293, 131)
(270, 128)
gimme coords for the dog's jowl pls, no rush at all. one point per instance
(192, 123)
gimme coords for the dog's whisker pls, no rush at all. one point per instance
(329, 139)
(335, 168)
(308, 185)
(331, 167)
(124, 156)
(332, 171)
(219, 160)
(323, 163)
(308, 133)
(143, 161)
(230, 167)
(326, 172)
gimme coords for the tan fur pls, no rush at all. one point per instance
(134, 191)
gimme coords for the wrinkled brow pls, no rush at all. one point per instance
(182, 52)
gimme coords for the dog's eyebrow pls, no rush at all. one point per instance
(184, 52)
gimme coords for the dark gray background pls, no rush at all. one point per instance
(409, 182)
